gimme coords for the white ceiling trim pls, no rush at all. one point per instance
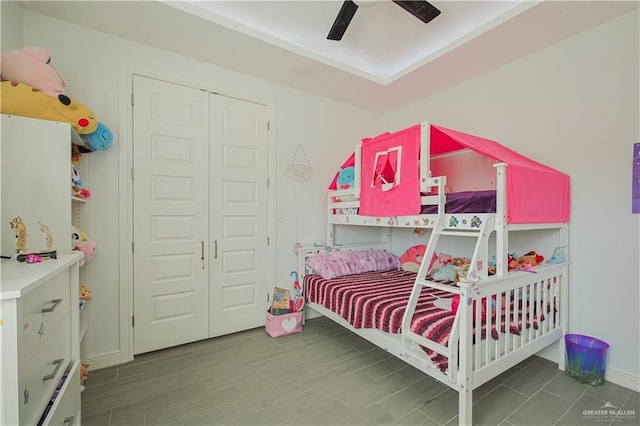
(459, 23)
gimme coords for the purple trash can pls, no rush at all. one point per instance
(587, 358)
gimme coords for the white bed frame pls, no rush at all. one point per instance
(470, 365)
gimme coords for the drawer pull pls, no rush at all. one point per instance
(51, 308)
(69, 420)
(58, 364)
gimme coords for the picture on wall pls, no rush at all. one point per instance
(635, 185)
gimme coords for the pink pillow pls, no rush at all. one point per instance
(339, 263)
(412, 258)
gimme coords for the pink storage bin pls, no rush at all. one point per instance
(281, 325)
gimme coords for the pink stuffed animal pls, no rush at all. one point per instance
(32, 66)
(88, 248)
(441, 260)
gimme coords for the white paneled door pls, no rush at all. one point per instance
(170, 214)
(200, 196)
(239, 215)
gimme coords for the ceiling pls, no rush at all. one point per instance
(386, 59)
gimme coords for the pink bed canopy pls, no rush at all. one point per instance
(535, 193)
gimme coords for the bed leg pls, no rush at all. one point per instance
(465, 372)
(465, 402)
(561, 354)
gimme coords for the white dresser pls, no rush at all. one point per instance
(40, 342)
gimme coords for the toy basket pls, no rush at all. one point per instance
(282, 325)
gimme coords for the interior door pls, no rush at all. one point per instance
(239, 215)
(170, 214)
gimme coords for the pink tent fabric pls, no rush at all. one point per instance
(396, 199)
(535, 193)
(351, 161)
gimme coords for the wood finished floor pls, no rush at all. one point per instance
(326, 375)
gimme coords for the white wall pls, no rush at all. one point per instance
(573, 106)
(11, 18)
(92, 64)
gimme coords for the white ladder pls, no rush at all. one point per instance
(468, 226)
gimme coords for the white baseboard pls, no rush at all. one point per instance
(550, 353)
(613, 375)
(105, 360)
(310, 314)
(623, 378)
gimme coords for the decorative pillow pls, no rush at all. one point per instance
(339, 263)
(412, 258)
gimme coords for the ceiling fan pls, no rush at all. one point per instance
(421, 9)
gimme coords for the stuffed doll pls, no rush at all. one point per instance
(346, 177)
(32, 66)
(77, 189)
(100, 140)
(80, 242)
(23, 100)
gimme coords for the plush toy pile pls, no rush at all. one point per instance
(32, 87)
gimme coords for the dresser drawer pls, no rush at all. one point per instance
(65, 410)
(40, 376)
(42, 311)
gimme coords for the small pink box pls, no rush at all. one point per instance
(281, 325)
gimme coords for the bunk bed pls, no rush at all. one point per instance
(450, 185)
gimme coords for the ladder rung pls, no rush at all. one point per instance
(444, 287)
(429, 344)
(474, 233)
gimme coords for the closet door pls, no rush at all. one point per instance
(170, 214)
(239, 215)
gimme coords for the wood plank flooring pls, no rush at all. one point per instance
(326, 375)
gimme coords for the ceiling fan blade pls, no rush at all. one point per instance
(422, 9)
(342, 21)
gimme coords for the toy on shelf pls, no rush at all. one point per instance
(84, 374)
(32, 66)
(22, 99)
(85, 292)
(20, 230)
(33, 87)
(48, 238)
(77, 189)
(100, 140)
(81, 242)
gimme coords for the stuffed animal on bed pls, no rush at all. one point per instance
(411, 259)
(525, 262)
(21, 99)
(346, 177)
(32, 66)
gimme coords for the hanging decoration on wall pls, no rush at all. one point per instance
(300, 167)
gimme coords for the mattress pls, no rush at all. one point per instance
(378, 300)
(466, 202)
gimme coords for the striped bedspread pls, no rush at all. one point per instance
(378, 300)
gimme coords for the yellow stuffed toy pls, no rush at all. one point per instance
(21, 99)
